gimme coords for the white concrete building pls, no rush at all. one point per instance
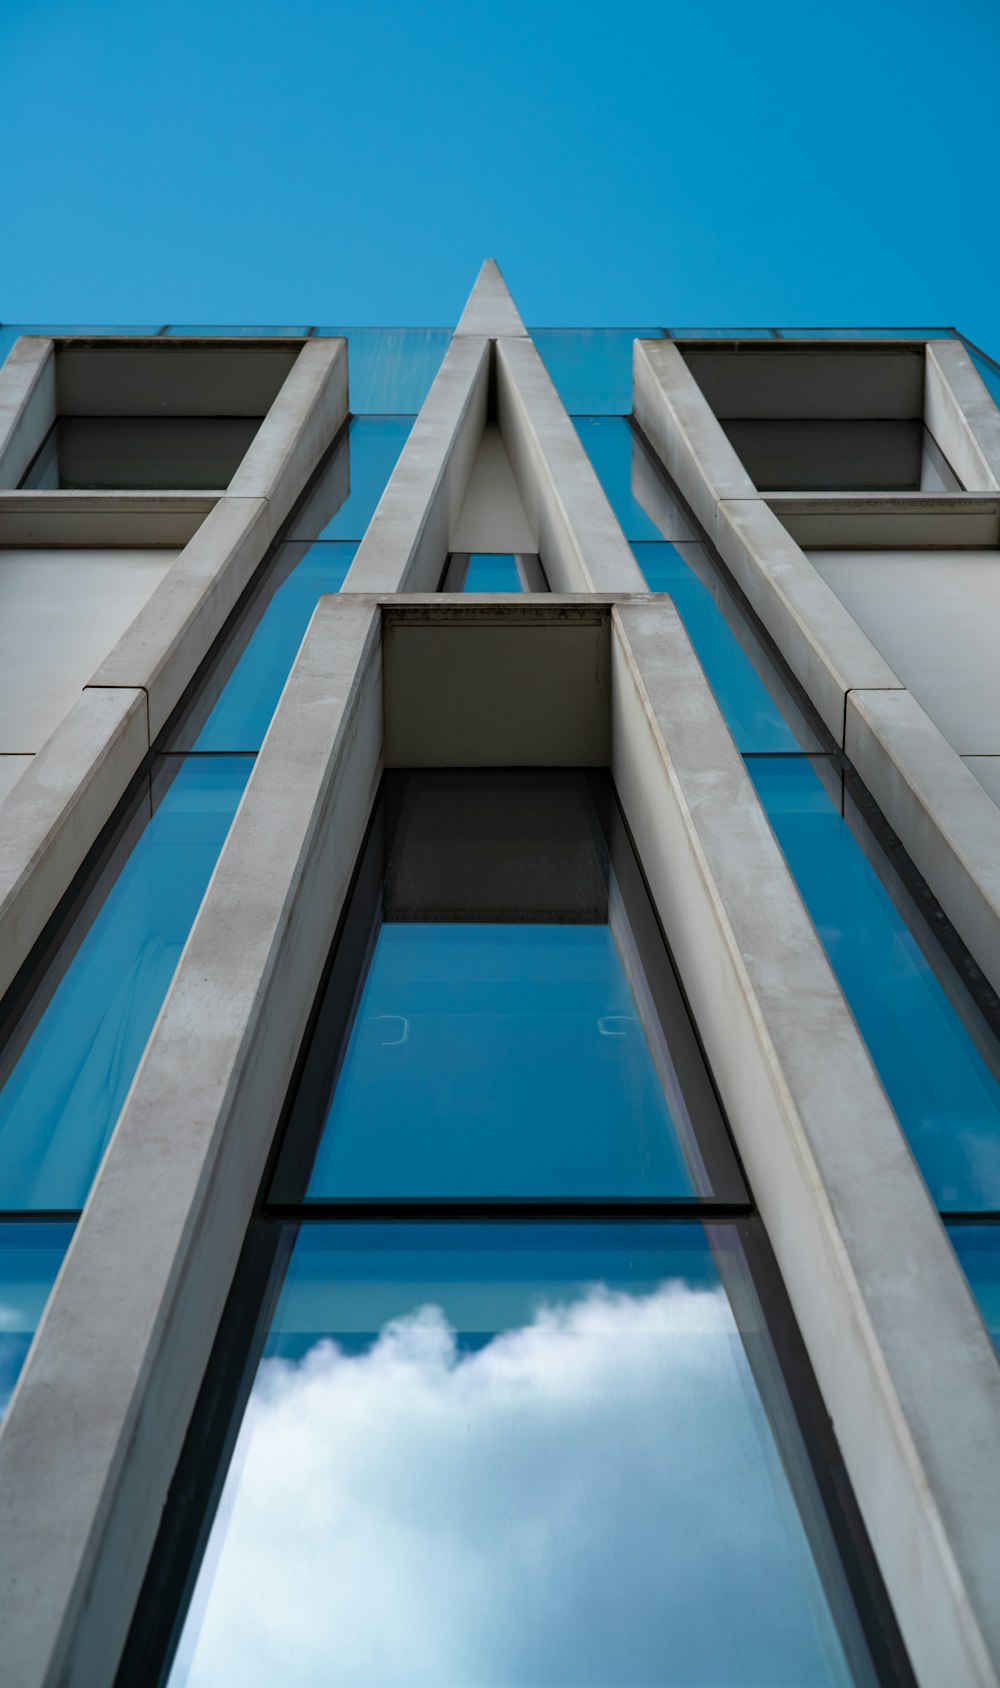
(500, 1065)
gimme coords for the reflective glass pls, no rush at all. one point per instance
(734, 661)
(390, 370)
(937, 1075)
(492, 572)
(517, 1454)
(990, 375)
(591, 368)
(721, 333)
(343, 496)
(31, 1254)
(196, 330)
(142, 453)
(868, 333)
(978, 1248)
(71, 1061)
(251, 675)
(632, 481)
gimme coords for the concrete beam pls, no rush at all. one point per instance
(53, 814)
(903, 1359)
(126, 1336)
(307, 414)
(678, 422)
(960, 413)
(405, 546)
(490, 310)
(948, 823)
(27, 404)
(580, 542)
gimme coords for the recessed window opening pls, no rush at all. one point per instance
(141, 453)
(493, 571)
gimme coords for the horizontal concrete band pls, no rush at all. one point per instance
(53, 815)
(908, 1373)
(947, 823)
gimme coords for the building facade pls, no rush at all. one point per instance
(500, 1080)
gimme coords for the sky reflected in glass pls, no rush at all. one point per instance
(978, 1248)
(342, 499)
(508, 1455)
(591, 368)
(390, 370)
(30, 1256)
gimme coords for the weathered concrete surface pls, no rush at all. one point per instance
(947, 821)
(27, 404)
(676, 418)
(490, 311)
(406, 543)
(102, 518)
(889, 520)
(171, 636)
(492, 517)
(905, 1364)
(11, 769)
(52, 816)
(580, 542)
(960, 413)
(127, 1333)
(298, 428)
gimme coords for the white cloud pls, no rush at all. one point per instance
(592, 1499)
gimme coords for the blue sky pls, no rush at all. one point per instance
(628, 162)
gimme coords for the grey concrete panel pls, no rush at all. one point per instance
(61, 612)
(945, 818)
(489, 309)
(676, 418)
(935, 616)
(580, 542)
(27, 404)
(960, 413)
(491, 684)
(129, 1328)
(11, 769)
(166, 377)
(173, 633)
(901, 1353)
(985, 768)
(298, 428)
(102, 518)
(650, 490)
(50, 819)
(492, 517)
(822, 643)
(890, 520)
(819, 379)
(406, 543)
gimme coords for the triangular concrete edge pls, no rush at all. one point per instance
(490, 310)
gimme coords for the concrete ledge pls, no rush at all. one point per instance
(129, 1328)
(405, 546)
(677, 420)
(822, 643)
(102, 518)
(948, 823)
(300, 425)
(27, 404)
(173, 633)
(905, 1364)
(960, 413)
(892, 520)
(52, 816)
(580, 542)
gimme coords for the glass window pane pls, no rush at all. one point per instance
(390, 370)
(519, 1034)
(978, 1248)
(591, 368)
(31, 1254)
(492, 573)
(345, 491)
(234, 708)
(517, 1454)
(633, 482)
(990, 375)
(142, 453)
(197, 330)
(867, 333)
(755, 701)
(69, 1064)
(941, 1081)
(721, 333)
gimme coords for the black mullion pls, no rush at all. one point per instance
(529, 1209)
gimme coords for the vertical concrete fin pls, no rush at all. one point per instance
(490, 309)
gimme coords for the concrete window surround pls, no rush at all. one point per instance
(910, 1378)
(935, 803)
(54, 810)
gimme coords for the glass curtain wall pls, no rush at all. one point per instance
(74, 1028)
(507, 1391)
(934, 1038)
